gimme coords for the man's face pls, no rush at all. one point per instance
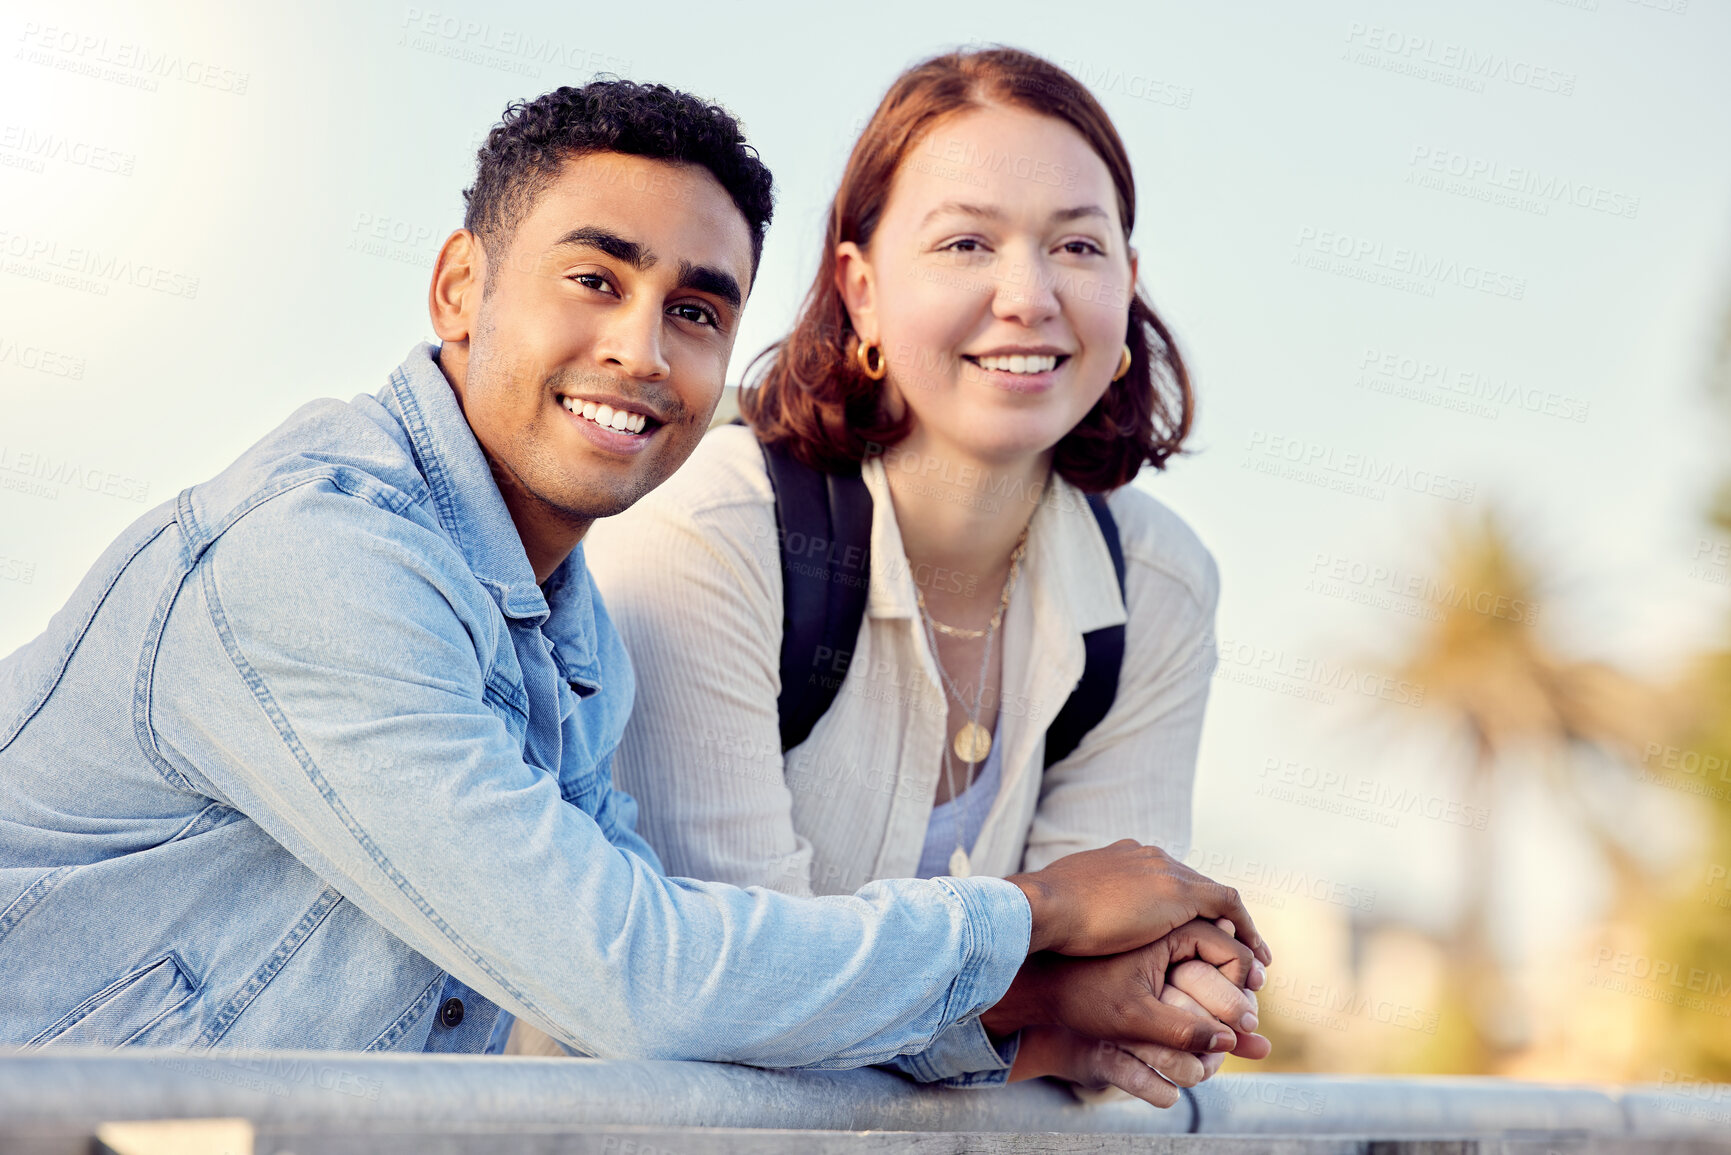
(597, 354)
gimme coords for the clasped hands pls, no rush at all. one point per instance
(1141, 974)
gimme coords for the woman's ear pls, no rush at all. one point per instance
(856, 281)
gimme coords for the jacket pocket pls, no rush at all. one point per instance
(124, 1009)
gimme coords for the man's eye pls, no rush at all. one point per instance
(697, 315)
(1082, 248)
(593, 281)
(964, 245)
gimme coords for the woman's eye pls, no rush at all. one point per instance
(964, 245)
(1082, 248)
(697, 315)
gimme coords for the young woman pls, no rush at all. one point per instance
(974, 350)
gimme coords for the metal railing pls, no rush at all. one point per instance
(54, 1097)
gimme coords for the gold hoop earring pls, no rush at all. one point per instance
(1123, 364)
(862, 356)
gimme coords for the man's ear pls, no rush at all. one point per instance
(856, 281)
(454, 298)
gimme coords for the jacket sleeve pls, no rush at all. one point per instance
(356, 730)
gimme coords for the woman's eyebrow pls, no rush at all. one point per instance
(961, 208)
(992, 213)
(1073, 214)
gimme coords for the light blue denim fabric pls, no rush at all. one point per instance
(309, 754)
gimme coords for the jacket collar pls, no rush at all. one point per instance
(474, 516)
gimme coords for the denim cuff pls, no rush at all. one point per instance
(963, 1056)
(1000, 925)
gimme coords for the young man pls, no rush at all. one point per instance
(317, 754)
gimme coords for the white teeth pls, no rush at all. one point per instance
(623, 420)
(1020, 363)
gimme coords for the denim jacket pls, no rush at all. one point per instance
(310, 760)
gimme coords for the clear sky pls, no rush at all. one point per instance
(1438, 255)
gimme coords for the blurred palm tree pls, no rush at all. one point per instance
(1697, 926)
(1521, 707)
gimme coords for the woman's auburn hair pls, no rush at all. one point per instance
(811, 396)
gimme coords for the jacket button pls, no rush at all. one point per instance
(451, 1014)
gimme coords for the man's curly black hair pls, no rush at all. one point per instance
(525, 150)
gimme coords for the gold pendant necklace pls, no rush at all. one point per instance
(973, 742)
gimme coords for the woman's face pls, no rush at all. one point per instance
(997, 285)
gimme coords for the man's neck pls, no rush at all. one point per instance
(548, 534)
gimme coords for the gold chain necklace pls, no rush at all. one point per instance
(973, 742)
(1003, 600)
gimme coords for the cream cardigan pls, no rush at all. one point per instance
(692, 577)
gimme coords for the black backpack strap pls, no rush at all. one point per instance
(1104, 648)
(824, 523)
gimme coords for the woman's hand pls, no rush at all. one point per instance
(1118, 997)
(1092, 1064)
(1202, 989)
(1123, 896)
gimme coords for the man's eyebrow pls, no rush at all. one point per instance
(706, 279)
(614, 245)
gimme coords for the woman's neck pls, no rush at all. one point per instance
(960, 520)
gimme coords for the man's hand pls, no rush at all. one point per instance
(1118, 998)
(1123, 896)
